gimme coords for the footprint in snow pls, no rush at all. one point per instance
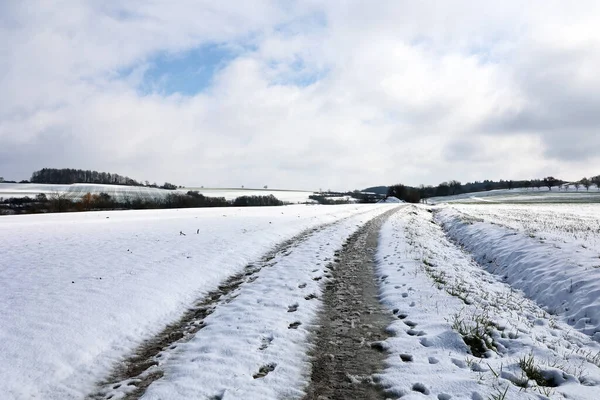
(294, 325)
(406, 357)
(421, 388)
(266, 341)
(302, 285)
(293, 308)
(264, 370)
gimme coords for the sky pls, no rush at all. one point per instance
(301, 94)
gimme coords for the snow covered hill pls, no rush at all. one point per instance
(120, 192)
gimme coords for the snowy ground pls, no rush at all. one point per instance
(79, 291)
(444, 300)
(76, 191)
(569, 194)
(288, 196)
(488, 301)
(120, 192)
(549, 252)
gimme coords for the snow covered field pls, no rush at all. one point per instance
(549, 252)
(79, 291)
(522, 195)
(464, 333)
(120, 192)
(487, 301)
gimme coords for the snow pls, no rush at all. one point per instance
(523, 195)
(552, 255)
(391, 200)
(435, 290)
(348, 199)
(79, 291)
(288, 196)
(253, 331)
(120, 192)
(77, 190)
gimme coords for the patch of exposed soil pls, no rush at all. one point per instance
(349, 349)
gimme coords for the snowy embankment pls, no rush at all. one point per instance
(558, 273)
(80, 291)
(462, 333)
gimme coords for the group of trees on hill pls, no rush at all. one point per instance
(67, 176)
(453, 187)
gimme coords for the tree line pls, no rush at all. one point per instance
(68, 176)
(454, 187)
(60, 202)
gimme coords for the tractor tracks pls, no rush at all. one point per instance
(348, 350)
(132, 376)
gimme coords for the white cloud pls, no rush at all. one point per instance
(418, 92)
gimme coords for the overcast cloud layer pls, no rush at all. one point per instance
(310, 94)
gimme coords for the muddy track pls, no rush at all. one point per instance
(134, 374)
(348, 351)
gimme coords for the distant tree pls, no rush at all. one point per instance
(41, 198)
(87, 201)
(586, 183)
(550, 182)
(169, 186)
(577, 185)
(596, 181)
(443, 189)
(455, 186)
(265, 187)
(527, 184)
(405, 193)
(1, 179)
(59, 202)
(244, 201)
(510, 184)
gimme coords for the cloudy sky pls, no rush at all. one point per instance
(301, 94)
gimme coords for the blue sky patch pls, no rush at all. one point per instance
(186, 73)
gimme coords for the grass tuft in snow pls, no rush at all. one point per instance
(529, 366)
(476, 330)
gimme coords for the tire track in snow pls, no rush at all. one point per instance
(130, 379)
(348, 346)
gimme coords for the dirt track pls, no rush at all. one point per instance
(348, 352)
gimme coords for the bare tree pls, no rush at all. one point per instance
(586, 183)
(596, 181)
(550, 181)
